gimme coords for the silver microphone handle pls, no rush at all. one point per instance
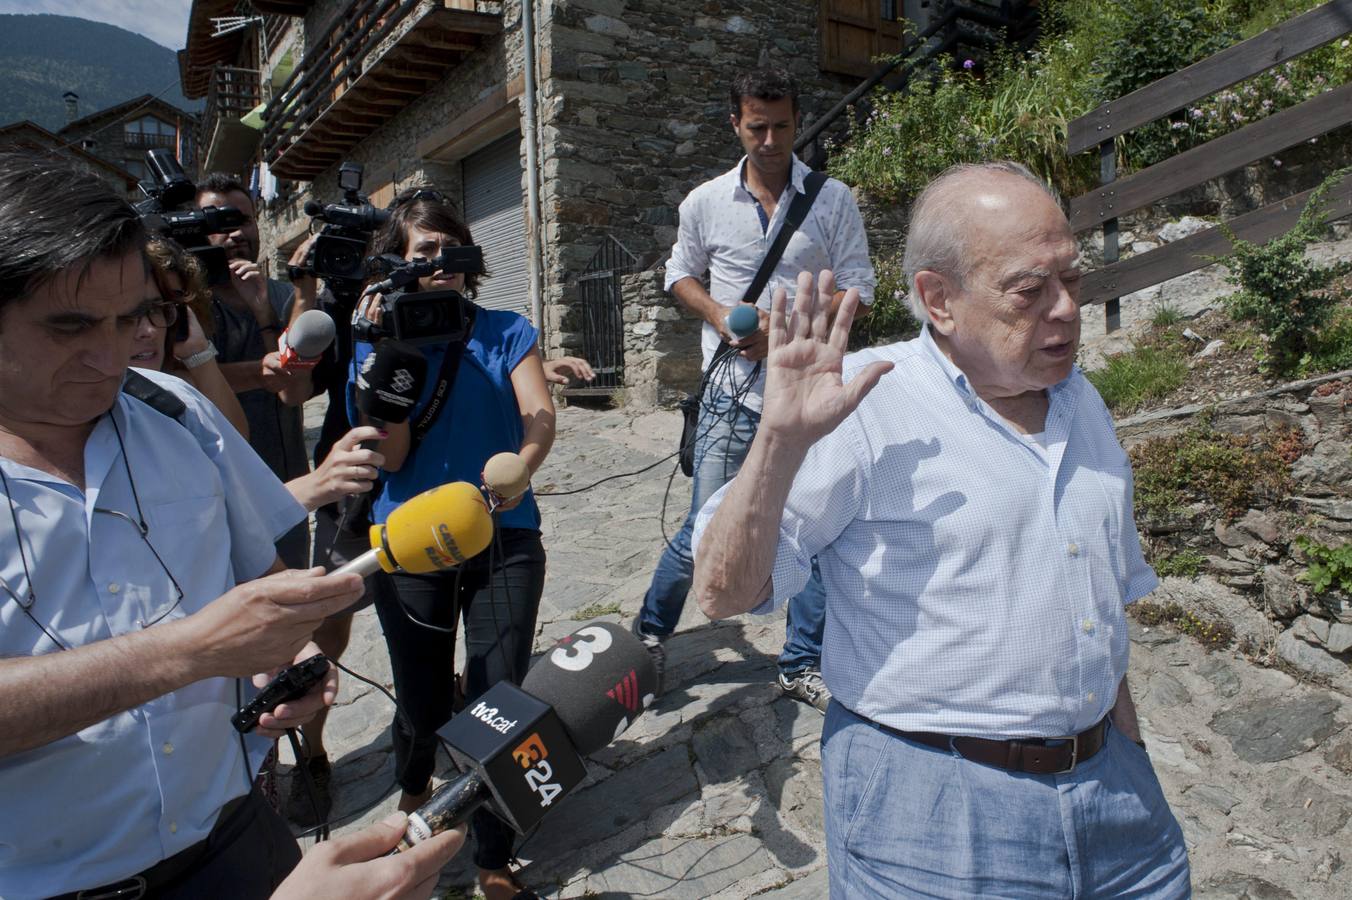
(363, 565)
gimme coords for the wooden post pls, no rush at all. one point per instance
(1112, 313)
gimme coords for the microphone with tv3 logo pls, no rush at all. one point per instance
(303, 344)
(520, 749)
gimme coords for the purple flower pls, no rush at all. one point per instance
(968, 64)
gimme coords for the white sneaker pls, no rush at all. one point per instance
(656, 652)
(806, 685)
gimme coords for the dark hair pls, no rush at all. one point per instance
(426, 208)
(55, 216)
(221, 183)
(770, 83)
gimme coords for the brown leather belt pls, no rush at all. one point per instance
(1036, 756)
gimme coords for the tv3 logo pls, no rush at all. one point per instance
(530, 754)
(577, 654)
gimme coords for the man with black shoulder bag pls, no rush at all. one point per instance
(750, 230)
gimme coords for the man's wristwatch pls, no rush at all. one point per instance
(201, 357)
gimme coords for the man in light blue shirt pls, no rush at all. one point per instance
(133, 613)
(970, 508)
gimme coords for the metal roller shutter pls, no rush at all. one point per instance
(497, 220)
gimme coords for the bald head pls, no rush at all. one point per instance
(968, 211)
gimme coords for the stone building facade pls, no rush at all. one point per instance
(631, 113)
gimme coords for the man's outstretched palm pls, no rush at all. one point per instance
(805, 397)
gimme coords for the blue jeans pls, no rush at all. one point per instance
(907, 820)
(722, 441)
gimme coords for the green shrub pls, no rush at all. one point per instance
(1330, 567)
(1183, 564)
(1227, 472)
(1019, 107)
(889, 319)
(1329, 349)
(1213, 634)
(1282, 293)
(1139, 376)
(1156, 39)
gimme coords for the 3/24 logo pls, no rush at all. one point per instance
(577, 654)
(530, 754)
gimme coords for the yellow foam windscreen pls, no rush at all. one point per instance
(438, 529)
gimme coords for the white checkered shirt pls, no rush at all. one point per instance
(973, 586)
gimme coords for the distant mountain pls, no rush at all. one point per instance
(43, 56)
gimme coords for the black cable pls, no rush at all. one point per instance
(322, 831)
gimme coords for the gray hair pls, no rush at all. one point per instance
(936, 240)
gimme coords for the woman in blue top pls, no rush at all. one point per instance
(499, 402)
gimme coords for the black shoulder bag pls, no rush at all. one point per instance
(798, 209)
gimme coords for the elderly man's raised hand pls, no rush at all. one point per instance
(805, 397)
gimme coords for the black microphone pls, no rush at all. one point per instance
(389, 383)
(520, 748)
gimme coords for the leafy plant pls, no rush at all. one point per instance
(1183, 564)
(1330, 568)
(1280, 291)
(1227, 472)
(1138, 376)
(1156, 39)
(1213, 634)
(1166, 315)
(889, 318)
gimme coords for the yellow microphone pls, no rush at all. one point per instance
(438, 529)
(506, 477)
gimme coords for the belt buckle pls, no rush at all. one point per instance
(1074, 740)
(133, 888)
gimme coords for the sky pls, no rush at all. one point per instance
(163, 21)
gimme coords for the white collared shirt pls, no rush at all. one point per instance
(116, 797)
(975, 585)
(720, 233)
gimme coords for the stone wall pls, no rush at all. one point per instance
(661, 342)
(1250, 577)
(634, 115)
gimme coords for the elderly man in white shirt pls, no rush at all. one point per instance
(971, 509)
(726, 228)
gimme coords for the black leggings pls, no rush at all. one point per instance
(499, 606)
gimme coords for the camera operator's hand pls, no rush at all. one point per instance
(295, 713)
(348, 469)
(264, 623)
(247, 279)
(306, 285)
(355, 865)
(369, 308)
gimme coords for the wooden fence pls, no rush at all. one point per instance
(1115, 197)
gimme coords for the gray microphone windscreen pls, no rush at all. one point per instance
(599, 679)
(311, 334)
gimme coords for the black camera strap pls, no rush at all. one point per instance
(796, 215)
(441, 394)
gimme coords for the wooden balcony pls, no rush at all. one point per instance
(376, 58)
(283, 7)
(148, 141)
(228, 145)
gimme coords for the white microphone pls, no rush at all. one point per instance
(306, 340)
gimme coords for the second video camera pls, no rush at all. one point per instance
(338, 254)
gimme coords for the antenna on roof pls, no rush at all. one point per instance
(228, 24)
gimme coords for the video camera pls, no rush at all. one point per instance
(338, 254)
(413, 316)
(167, 210)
